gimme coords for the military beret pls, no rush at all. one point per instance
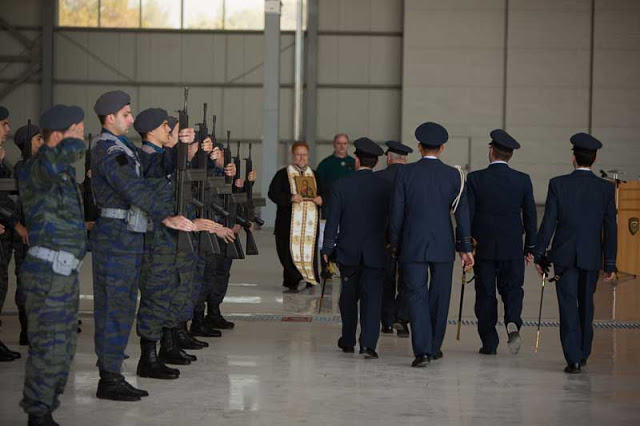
(585, 141)
(172, 122)
(503, 140)
(111, 102)
(431, 134)
(149, 119)
(365, 147)
(61, 117)
(4, 113)
(398, 148)
(24, 134)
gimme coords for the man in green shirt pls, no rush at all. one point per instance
(335, 166)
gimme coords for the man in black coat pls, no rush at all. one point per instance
(355, 233)
(580, 214)
(394, 307)
(501, 209)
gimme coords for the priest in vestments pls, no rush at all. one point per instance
(295, 191)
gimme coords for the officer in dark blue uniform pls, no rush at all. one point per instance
(394, 309)
(355, 233)
(581, 211)
(501, 208)
(424, 195)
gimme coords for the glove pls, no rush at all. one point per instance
(545, 264)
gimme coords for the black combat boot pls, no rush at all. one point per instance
(7, 355)
(41, 420)
(169, 350)
(22, 316)
(113, 386)
(200, 328)
(186, 340)
(217, 321)
(150, 366)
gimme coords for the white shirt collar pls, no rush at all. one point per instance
(585, 169)
(430, 157)
(498, 162)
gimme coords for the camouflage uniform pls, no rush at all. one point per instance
(158, 277)
(55, 219)
(117, 182)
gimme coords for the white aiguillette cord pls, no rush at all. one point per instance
(456, 201)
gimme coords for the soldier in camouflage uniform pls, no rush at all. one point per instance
(7, 236)
(55, 219)
(28, 139)
(128, 204)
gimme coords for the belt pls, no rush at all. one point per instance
(55, 257)
(111, 213)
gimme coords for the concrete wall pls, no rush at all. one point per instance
(454, 62)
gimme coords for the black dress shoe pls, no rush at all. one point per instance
(345, 349)
(437, 356)
(387, 330)
(368, 353)
(41, 420)
(485, 351)
(7, 355)
(573, 368)
(190, 357)
(421, 361)
(583, 363)
(142, 392)
(219, 323)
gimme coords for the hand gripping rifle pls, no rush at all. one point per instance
(208, 243)
(183, 185)
(241, 202)
(234, 250)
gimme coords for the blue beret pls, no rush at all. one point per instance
(4, 113)
(111, 102)
(431, 134)
(23, 134)
(149, 119)
(61, 117)
(503, 140)
(172, 121)
(398, 148)
(585, 141)
(365, 147)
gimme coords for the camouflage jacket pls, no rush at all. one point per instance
(118, 181)
(52, 204)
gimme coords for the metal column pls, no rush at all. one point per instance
(271, 97)
(311, 78)
(46, 85)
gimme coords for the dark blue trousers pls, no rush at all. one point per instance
(428, 302)
(394, 306)
(507, 276)
(575, 299)
(364, 284)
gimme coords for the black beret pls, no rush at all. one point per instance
(172, 122)
(585, 141)
(61, 117)
(503, 140)
(4, 113)
(150, 119)
(431, 134)
(111, 102)
(365, 147)
(398, 148)
(20, 137)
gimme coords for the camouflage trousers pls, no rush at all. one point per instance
(215, 284)
(11, 244)
(191, 270)
(160, 290)
(115, 294)
(52, 309)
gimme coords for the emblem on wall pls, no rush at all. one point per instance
(634, 225)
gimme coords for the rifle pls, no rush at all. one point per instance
(252, 248)
(234, 250)
(26, 148)
(183, 185)
(90, 208)
(208, 243)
